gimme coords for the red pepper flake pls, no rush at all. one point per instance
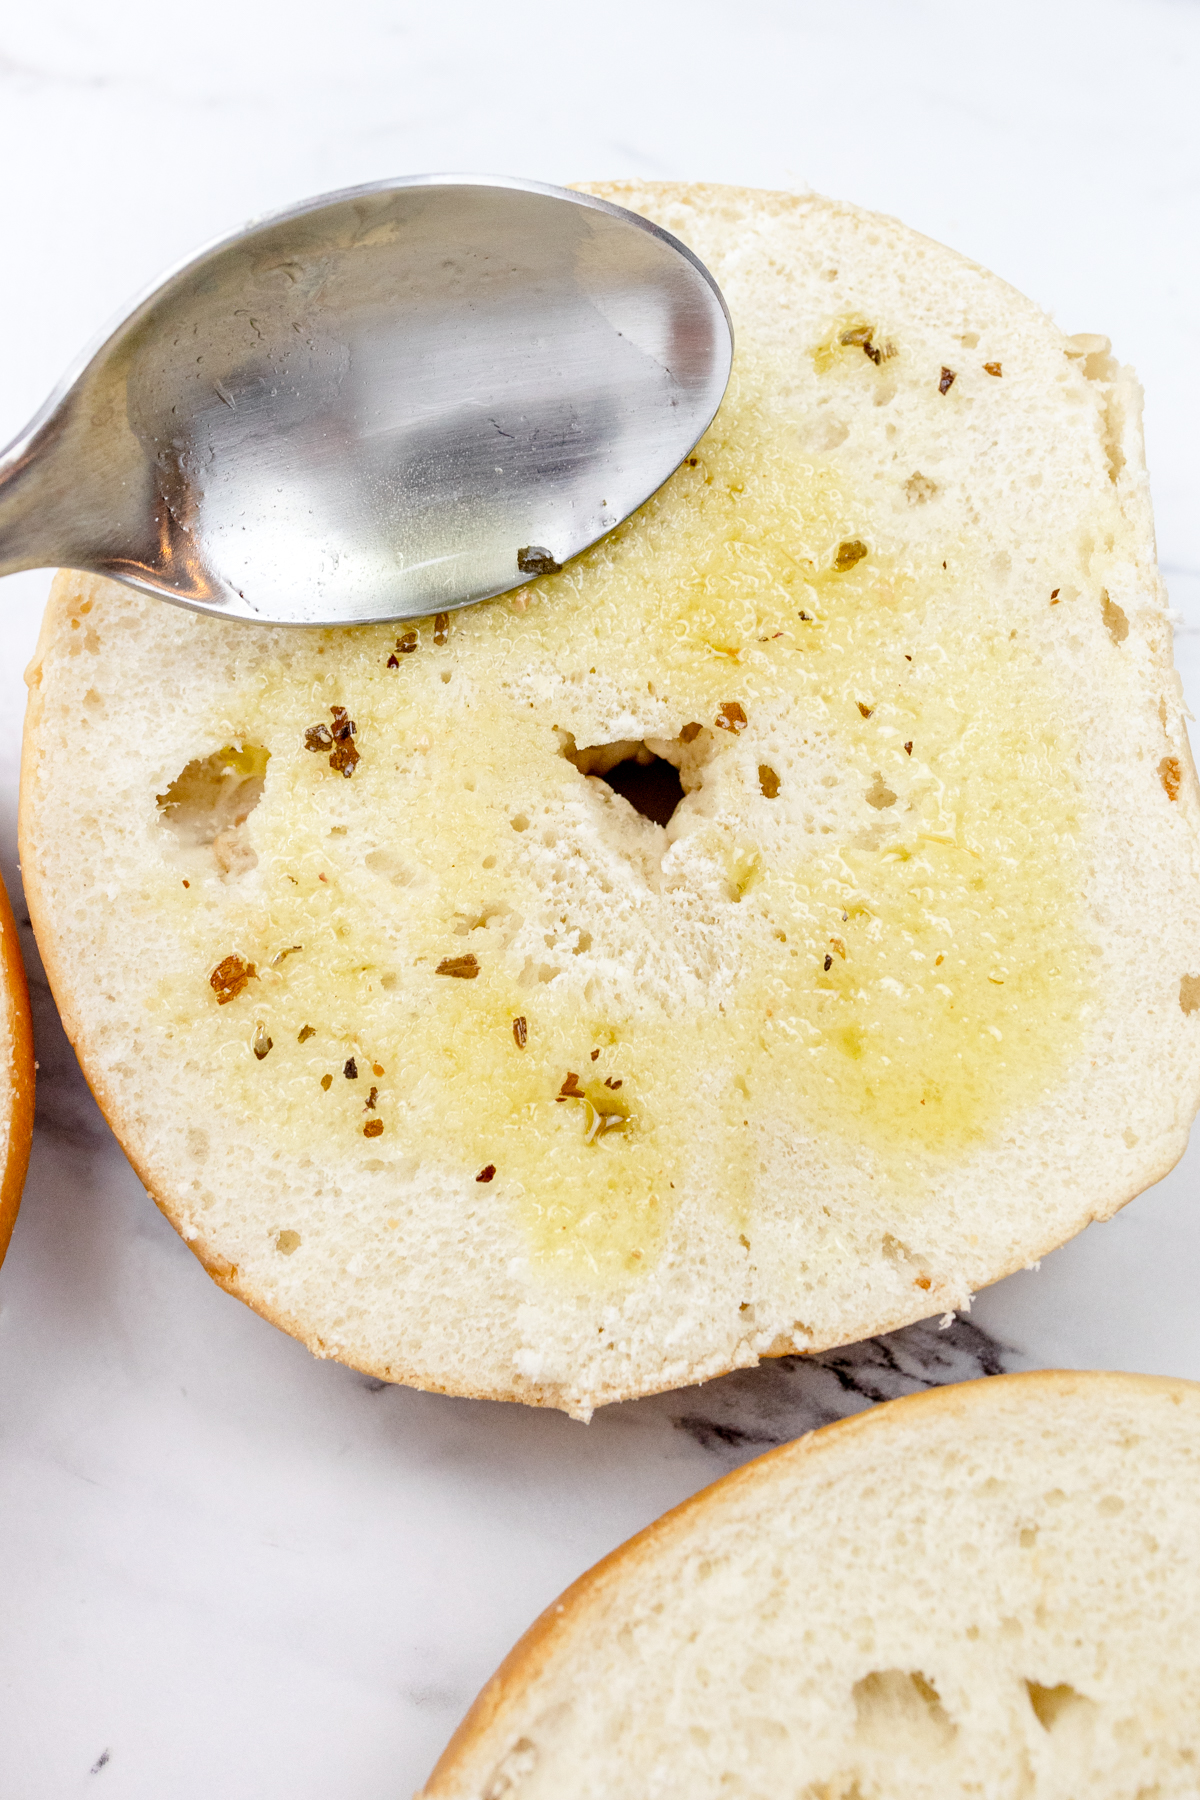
(350, 1070)
(690, 732)
(306, 1031)
(595, 1055)
(327, 1082)
(570, 1089)
(768, 782)
(371, 1099)
(520, 1032)
(923, 1281)
(441, 628)
(866, 711)
(732, 716)
(393, 662)
(187, 884)
(989, 369)
(908, 748)
(946, 382)
(377, 1068)
(1171, 775)
(465, 968)
(229, 978)
(373, 1128)
(486, 1174)
(408, 643)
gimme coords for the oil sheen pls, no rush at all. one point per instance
(896, 986)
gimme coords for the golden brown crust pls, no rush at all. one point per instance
(15, 998)
(532, 1652)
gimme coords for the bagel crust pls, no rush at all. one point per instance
(985, 1589)
(17, 1076)
(759, 934)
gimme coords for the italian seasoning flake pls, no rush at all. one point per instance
(350, 1069)
(344, 758)
(731, 716)
(570, 1089)
(463, 968)
(338, 739)
(865, 710)
(230, 977)
(441, 628)
(992, 369)
(946, 381)
(690, 732)
(262, 1043)
(407, 643)
(369, 1105)
(849, 552)
(305, 1032)
(520, 1032)
(327, 1082)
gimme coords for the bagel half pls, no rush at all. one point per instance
(16, 1073)
(756, 936)
(991, 1589)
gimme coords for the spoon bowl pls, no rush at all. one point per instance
(379, 404)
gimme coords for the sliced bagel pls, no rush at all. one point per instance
(16, 1073)
(757, 935)
(991, 1589)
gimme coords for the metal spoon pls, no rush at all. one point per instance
(378, 404)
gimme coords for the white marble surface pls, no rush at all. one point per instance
(228, 1569)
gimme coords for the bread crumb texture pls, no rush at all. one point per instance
(784, 901)
(989, 1590)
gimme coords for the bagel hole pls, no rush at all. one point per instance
(649, 782)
